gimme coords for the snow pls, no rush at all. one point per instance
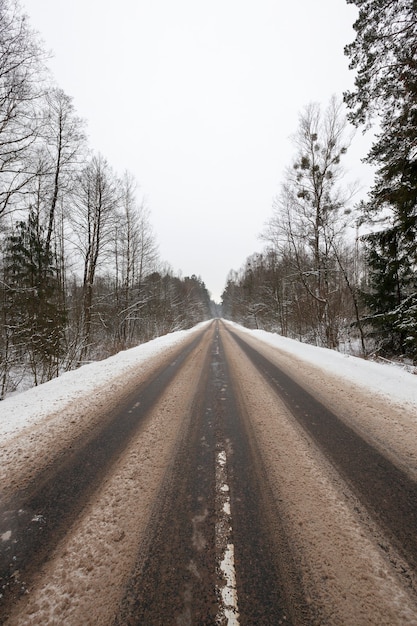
(387, 380)
(30, 407)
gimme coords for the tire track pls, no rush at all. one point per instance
(209, 557)
(35, 520)
(220, 505)
(387, 492)
(344, 575)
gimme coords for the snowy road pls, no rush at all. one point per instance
(223, 481)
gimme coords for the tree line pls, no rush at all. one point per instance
(81, 276)
(334, 271)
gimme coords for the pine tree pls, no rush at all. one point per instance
(33, 308)
(384, 54)
(391, 272)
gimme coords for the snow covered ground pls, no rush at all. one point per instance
(34, 405)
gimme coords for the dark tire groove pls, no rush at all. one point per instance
(172, 581)
(387, 493)
(176, 582)
(40, 516)
(269, 587)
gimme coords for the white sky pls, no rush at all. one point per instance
(198, 100)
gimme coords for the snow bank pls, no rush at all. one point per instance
(31, 406)
(28, 407)
(387, 380)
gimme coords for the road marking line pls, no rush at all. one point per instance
(228, 609)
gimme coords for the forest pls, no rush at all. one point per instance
(333, 272)
(81, 276)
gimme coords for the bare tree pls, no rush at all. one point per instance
(93, 220)
(60, 149)
(21, 87)
(309, 214)
(64, 148)
(136, 255)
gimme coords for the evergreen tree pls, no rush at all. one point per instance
(33, 310)
(384, 54)
(391, 271)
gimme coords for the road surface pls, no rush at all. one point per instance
(227, 483)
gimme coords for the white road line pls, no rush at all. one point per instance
(228, 609)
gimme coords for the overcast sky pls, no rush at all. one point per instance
(198, 101)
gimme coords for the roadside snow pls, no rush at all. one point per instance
(345, 575)
(31, 406)
(386, 380)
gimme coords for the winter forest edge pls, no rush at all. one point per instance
(335, 273)
(81, 275)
